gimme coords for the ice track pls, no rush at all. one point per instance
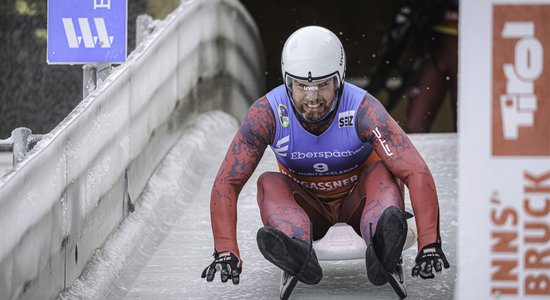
(160, 251)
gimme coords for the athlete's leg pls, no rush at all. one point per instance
(288, 207)
(286, 210)
(376, 190)
(379, 213)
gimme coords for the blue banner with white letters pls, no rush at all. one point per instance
(86, 31)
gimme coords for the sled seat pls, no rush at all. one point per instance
(341, 242)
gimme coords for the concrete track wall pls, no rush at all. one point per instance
(60, 203)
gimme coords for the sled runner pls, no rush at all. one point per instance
(288, 282)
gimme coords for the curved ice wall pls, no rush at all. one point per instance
(60, 203)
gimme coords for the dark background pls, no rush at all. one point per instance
(36, 95)
(362, 27)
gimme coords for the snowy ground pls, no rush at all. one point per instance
(160, 251)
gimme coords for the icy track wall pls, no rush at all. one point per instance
(61, 202)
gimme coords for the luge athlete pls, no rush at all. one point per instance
(339, 153)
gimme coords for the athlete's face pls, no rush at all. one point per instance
(313, 99)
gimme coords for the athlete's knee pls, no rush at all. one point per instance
(371, 178)
(380, 171)
(269, 179)
(375, 169)
(275, 186)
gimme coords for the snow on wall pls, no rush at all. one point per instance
(59, 204)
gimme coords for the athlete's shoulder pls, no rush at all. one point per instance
(371, 114)
(368, 100)
(261, 110)
(259, 122)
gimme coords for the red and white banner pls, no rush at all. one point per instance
(521, 80)
(504, 150)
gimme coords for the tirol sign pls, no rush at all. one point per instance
(86, 31)
(521, 76)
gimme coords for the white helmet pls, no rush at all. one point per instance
(313, 53)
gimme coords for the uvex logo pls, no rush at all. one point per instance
(521, 93)
(90, 40)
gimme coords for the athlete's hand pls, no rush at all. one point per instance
(429, 258)
(227, 264)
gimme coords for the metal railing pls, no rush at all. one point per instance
(21, 141)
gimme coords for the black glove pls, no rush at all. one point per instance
(429, 255)
(228, 265)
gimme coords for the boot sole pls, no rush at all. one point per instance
(392, 227)
(273, 246)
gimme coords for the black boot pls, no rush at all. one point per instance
(383, 256)
(289, 254)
